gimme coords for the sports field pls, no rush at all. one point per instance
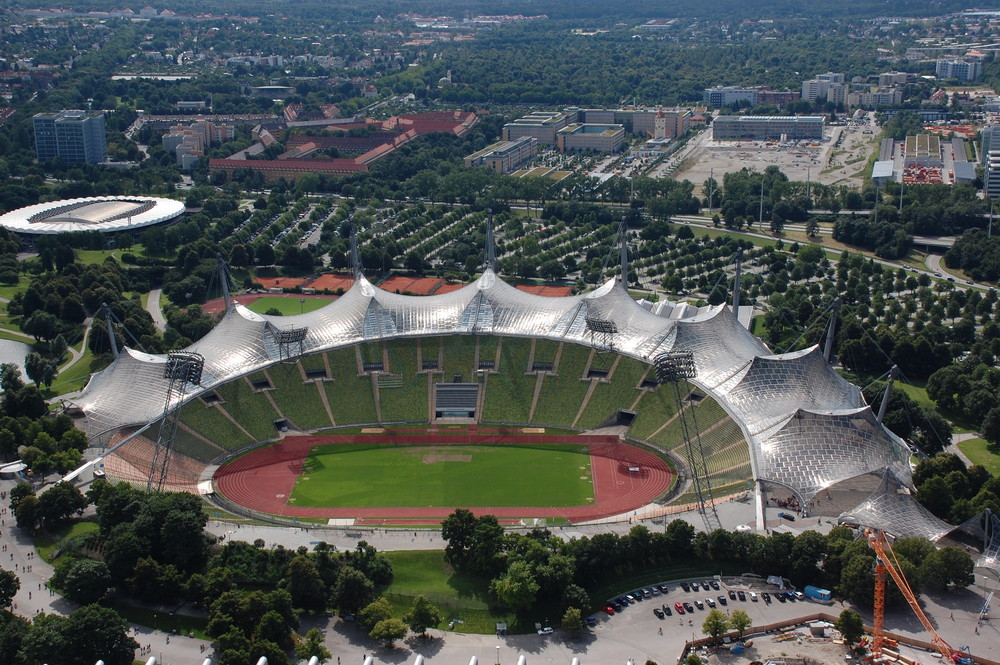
(418, 475)
(287, 305)
(368, 476)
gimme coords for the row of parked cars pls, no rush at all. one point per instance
(686, 607)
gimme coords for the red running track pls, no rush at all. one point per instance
(263, 479)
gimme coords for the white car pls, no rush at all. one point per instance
(545, 631)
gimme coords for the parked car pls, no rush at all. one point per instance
(663, 588)
(658, 612)
(722, 600)
(710, 602)
(646, 593)
(791, 596)
(767, 597)
(732, 595)
(700, 605)
(666, 609)
(753, 596)
(787, 516)
(546, 631)
(742, 596)
(689, 607)
(706, 586)
(654, 590)
(715, 585)
(591, 621)
(609, 610)
(694, 586)
(781, 597)
(679, 607)
(799, 595)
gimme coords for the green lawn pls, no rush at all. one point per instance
(381, 475)
(977, 451)
(47, 542)
(458, 596)
(287, 306)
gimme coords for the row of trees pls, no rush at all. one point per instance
(526, 568)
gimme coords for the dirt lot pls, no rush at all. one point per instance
(801, 650)
(840, 160)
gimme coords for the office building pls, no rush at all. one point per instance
(637, 121)
(879, 98)
(761, 127)
(990, 137)
(76, 137)
(505, 156)
(963, 70)
(889, 79)
(580, 137)
(542, 125)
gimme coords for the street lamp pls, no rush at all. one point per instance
(498, 654)
(302, 305)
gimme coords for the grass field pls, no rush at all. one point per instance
(978, 451)
(374, 475)
(287, 306)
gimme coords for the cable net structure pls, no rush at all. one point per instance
(893, 509)
(807, 429)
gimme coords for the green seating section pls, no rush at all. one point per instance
(618, 393)
(299, 401)
(562, 394)
(509, 391)
(654, 409)
(249, 408)
(212, 424)
(460, 357)
(404, 399)
(349, 395)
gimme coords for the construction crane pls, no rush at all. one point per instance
(886, 562)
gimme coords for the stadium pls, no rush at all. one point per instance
(246, 415)
(106, 214)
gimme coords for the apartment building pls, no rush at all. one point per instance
(963, 70)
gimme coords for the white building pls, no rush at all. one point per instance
(963, 70)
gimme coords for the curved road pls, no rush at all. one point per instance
(153, 307)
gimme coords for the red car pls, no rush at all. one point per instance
(679, 608)
(609, 610)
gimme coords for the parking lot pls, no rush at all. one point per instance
(682, 609)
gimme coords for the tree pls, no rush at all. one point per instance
(98, 633)
(40, 369)
(388, 630)
(84, 581)
(948, 565)
(572, 620)
(27, 513)
(352, 591)
(60, 501)
(305, 584)
(377, 610)
(575, 596)
(458, 529)
(740, 621)
(9, 585)
(716, 623)
(312, 645)
(851, 626)
(516, 588)
(423, 615)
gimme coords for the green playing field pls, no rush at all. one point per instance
(352, 475)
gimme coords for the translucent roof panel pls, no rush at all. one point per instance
(813, 451)
(719, 343)
(892, 508)
(131, 390)
(763, 390)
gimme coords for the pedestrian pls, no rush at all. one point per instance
(661, 630)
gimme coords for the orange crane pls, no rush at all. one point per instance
(886, 562)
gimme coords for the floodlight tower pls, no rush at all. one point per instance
(674, 368)
(183, 368)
